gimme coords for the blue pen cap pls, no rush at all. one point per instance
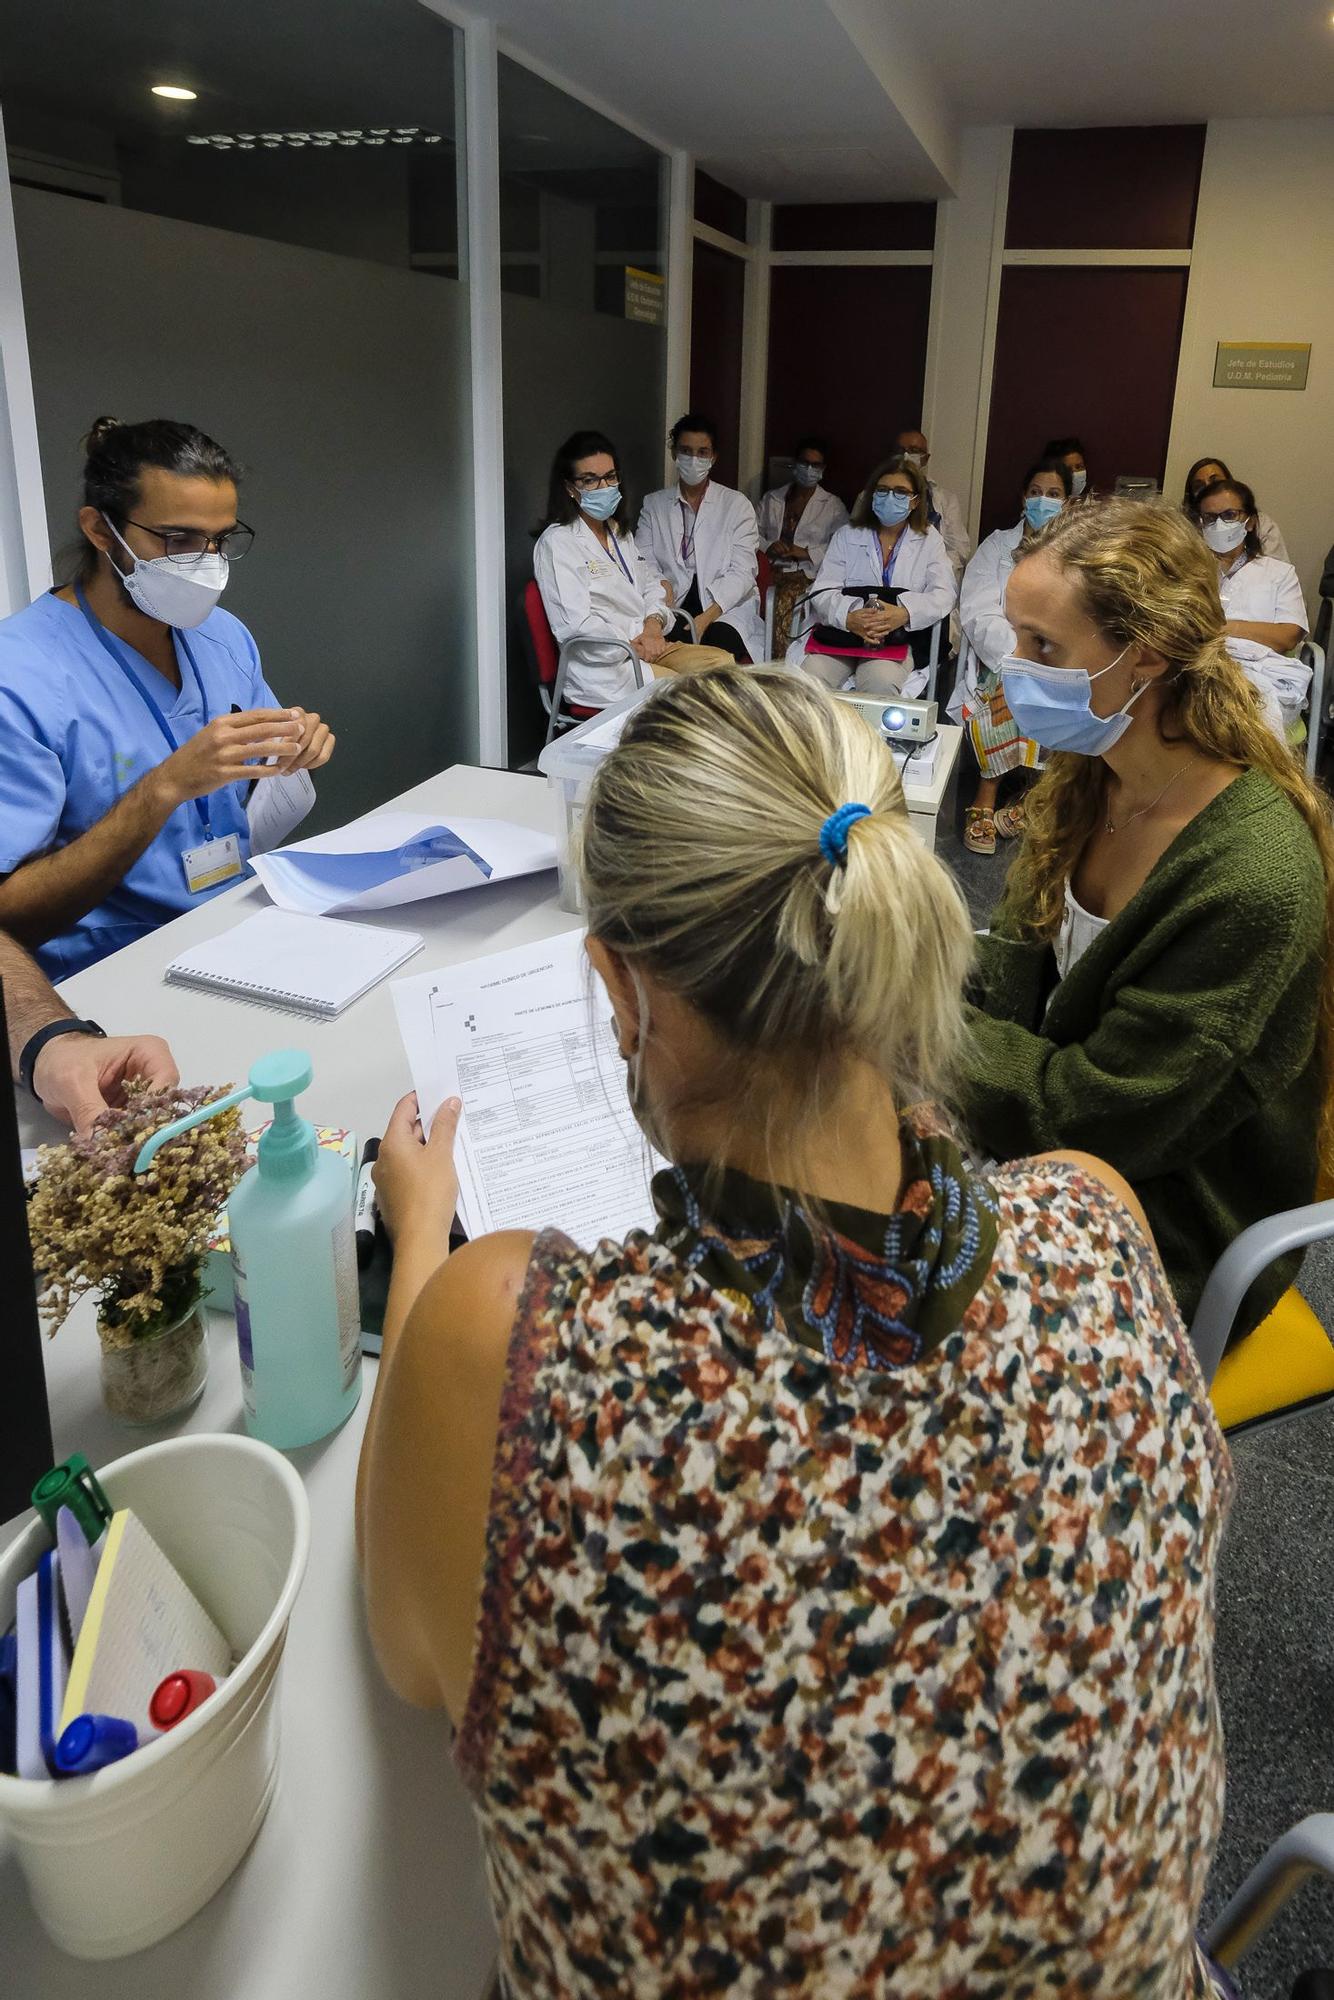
(92, 1741)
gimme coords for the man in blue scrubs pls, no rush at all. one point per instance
(134, 716)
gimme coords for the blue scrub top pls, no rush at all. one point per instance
(75, 736)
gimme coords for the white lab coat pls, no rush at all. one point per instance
(589, 597)
(921, 571)
(725, 539)
(1261, 589)
(821, 520)
(953, 531)
(1271, 538)
(986, 633)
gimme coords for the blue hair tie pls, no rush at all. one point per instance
(834, 832)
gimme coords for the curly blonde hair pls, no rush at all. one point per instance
(1146, 578)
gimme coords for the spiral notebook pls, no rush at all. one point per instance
(305, 965)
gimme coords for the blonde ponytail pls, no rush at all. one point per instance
(702, 865)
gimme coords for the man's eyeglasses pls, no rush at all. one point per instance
(188, 545)
(588, 482)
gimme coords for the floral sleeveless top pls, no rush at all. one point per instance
(847, 1615)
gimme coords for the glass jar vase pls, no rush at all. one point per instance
(149, 1378)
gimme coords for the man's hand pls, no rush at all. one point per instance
(230, 750)
(651, 644)
(317, 743)
(77, 1076)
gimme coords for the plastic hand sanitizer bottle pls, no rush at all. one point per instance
(298, 1313)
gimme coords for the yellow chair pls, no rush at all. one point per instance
(1286, 1366)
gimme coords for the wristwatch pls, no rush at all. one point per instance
(28, 1060)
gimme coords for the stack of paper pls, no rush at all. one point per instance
(547, 1137)
(391, 858)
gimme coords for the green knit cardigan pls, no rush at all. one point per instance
(1181, 1047)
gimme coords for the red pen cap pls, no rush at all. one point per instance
(178, 1696)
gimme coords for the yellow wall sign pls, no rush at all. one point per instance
(644, 292)
(1261, 364)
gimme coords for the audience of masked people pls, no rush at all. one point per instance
(978, 700)
(73, 1068)
(1203, 473)
(944, 509)
(1262, 600)
(702, 539)
(885, 577)
(797, 522)
(602, 599)
(1156, 985)
(1070, 451)
(829, 1429)
(134, 715)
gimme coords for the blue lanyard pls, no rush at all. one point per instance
(121, 656)
(887, 570)
(616, 551)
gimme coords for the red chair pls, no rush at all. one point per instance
(548, 662)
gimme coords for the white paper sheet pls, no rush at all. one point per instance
(547, 1137)
(277, 805)
(350, 855)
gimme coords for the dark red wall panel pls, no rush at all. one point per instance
(847, 358)
(1089, 349)
(717, 312)
(855, 225)
(1111, 187)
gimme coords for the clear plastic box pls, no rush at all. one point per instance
(570, 762)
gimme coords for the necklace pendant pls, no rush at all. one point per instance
(1107, 824)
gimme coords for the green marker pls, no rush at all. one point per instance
(74, 1485)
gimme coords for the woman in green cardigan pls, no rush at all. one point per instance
(1154, 988)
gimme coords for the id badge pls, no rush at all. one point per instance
(216, 861)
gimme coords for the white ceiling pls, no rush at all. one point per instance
(840, 100)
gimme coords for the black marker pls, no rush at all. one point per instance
(364, 1210)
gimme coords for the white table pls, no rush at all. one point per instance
(926, 801)
(365, 1882)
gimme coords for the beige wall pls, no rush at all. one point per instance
(1262, 268)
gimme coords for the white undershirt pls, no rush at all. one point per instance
(1077, 932)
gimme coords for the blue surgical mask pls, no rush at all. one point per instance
(601, 503)
(1053, 706)
(1039, 508)
(892, 507)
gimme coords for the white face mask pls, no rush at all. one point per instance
(1079, 480)
(1224, 536)
(917, 458)
(693, 470)
(807, 475)
(177, 594)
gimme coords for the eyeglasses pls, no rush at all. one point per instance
(1225, 514)
(588, 482)
(189, 545)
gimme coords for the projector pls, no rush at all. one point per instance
(894, 718)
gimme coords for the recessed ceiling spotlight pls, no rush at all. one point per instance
(195, 139)
(273, 145)
(178, 92)
(245, 145)
(350, 132)
(274, 138)
(299, 136)
(326, 143)
(432, 138)
(372, 142)
(220, 139)
(407, 131)
(326, 136)
(296, 145)
(380, 131)
(402, 139)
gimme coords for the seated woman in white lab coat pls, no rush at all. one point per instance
(978, 700)
(596, 587)
(702, 538)
(1262, 597)
(1203, 473)
(797, 523)
(888, 542)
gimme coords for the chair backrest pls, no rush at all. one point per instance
(543, 650)
(764, 576)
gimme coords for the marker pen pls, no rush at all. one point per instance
(364, 1210)
(93, 1741)
(179, 1695)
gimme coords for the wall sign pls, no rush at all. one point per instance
(643, 296)
(1261, 364)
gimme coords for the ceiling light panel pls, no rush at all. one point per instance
(369, 135)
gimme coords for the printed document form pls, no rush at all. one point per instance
(547, 1137)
